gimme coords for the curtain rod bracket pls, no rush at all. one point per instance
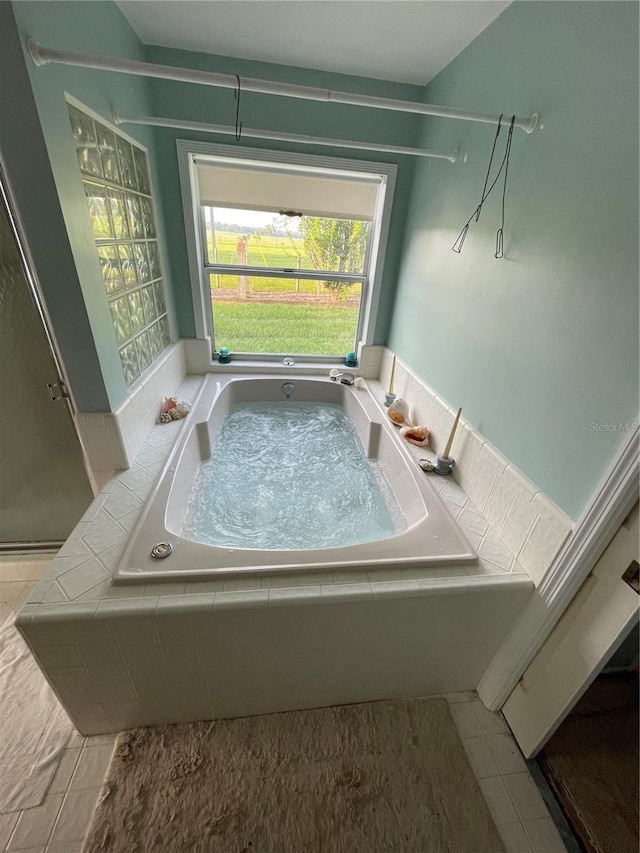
(35, 53)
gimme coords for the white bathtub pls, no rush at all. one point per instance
(431, 536)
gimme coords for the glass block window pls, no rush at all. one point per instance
(115, 174)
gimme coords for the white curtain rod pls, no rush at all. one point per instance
(44, 55)
(254, 133)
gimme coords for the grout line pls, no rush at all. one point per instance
(55, 823)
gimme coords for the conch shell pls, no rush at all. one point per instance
(416, 435)
(398, 412)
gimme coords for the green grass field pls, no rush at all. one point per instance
(285, 328)
(262, 251)
(279, 327)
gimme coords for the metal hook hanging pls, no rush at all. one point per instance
(499, 253)
(457, 246)
(236, 96)
(486, 180)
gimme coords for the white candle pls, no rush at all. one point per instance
(393, 375)
(447, 449)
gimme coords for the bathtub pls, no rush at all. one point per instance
(431, 536)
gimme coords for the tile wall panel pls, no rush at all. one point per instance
(509, 513)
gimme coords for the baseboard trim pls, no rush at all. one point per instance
(45, 547)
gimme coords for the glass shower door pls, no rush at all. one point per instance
(44, 486)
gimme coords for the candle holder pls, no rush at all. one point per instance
(443, 465)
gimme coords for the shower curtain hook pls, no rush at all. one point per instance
(236, 96)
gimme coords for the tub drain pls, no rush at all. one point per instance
(161, 550)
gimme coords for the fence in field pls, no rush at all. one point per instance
(289, 296)
(277, 252)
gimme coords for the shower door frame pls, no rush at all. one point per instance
(60, 379)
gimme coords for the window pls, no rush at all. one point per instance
(115, 176)
(285, 251)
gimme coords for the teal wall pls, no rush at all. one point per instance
(537, 348)
(34, 197)
(93, 28)
(540, 346)
(204, 103)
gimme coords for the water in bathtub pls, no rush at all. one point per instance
(289, 476)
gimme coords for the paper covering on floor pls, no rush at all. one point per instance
(34, 728)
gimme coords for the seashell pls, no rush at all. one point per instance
(416, 435)
(167, 404)
(171, 410)
(398, 412)
(396, 417)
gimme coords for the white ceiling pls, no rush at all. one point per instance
(404, 40)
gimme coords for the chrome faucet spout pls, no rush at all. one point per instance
(344, 378)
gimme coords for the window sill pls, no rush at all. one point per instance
(199, 361)
(301, 368)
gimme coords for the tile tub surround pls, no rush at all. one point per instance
(120, 656)
(112, 440)
(60, 823)
(528, 523)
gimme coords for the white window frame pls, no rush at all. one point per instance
(188, 153)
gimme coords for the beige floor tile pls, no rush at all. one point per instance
(9, 571)
(11, 592)
(490, 723)
(465, 720)
(514, 838)
(65, 847)
(544, 836)
(93, 764)
(76, 740)
(35, 825)
(34, 850)
(32, 570)
(526, 797)
(65, 771)
(506, 753)
(99, 740)
(455, 698)
(498, 800)
(7, 823)
(75, 815)
(480, 757)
